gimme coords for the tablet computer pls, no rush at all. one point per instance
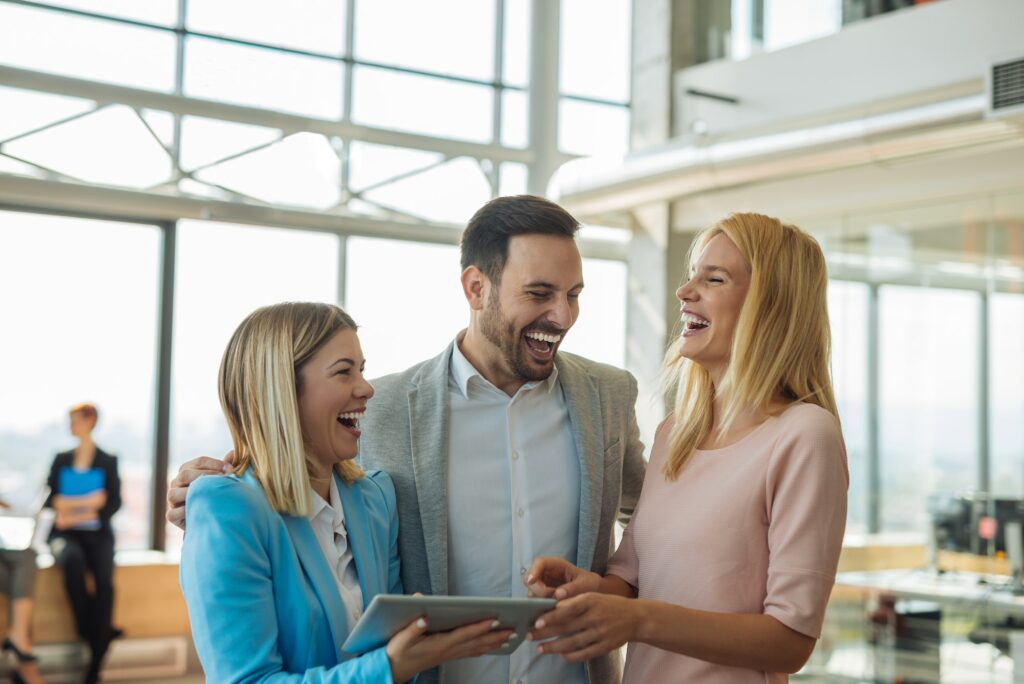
(389, 613)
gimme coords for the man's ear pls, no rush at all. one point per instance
(475, 286)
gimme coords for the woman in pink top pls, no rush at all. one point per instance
(725, 570)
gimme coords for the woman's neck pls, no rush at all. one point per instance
(320, 481)
(85, 451)
(743, 423)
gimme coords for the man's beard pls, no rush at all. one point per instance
(502, 334)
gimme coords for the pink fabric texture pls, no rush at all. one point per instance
(754, 527)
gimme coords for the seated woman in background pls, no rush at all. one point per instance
(281, 559)
(17, 581)
(726, 567)
(85, 491)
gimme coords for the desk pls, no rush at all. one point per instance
(974, 610)
(962, 590)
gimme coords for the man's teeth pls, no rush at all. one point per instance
(692, 319)
(543, 337)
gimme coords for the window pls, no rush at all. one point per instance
(928, 398)
(848, 315)
(79, 301)
(258, 77)
(223, 273)
(43, 40)
(1006, 393)
(406, 298)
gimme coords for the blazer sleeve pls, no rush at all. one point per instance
(112, 485)
(633, 465)
(53, 481)
(227, 580)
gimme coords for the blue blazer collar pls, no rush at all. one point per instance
(311, 557)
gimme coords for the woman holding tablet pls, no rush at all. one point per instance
(290, 549)
(727, 565)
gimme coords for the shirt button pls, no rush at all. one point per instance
(515, 455)
(522, 571)
(520, 512)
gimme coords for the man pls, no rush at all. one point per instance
(501, 449)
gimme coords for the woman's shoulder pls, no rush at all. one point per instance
(809, 420)
(226, 495)
(378, 484)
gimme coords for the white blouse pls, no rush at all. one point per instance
(328, 521)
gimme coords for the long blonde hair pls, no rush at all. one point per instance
(259, 382)
(782, 344)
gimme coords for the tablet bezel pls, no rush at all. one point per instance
(389, 613)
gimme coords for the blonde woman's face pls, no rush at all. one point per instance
(333, 399)
(711, 302)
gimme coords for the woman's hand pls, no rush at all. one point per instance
(592, 624)
(411, 650)
(556, 577)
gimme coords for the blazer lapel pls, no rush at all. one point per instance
(584, 401)
(360, 540)
(315, 565)
(429, 413)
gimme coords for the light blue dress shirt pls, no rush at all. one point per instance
(513, 495)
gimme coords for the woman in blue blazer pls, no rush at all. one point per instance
(272, 589)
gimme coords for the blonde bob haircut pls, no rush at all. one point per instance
(259, 382)
(782, 344)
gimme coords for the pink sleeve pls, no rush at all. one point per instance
(806, 494)
(623, 562)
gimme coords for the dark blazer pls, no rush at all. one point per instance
(112, 484)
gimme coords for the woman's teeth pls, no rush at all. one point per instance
(350, 419)
(693, 321)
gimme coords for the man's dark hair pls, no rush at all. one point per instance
(485, 240)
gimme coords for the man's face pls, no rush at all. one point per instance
(527, 316)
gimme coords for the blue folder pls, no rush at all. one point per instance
(79, 482)
(73, 482)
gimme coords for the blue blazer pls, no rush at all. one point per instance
(263, 603)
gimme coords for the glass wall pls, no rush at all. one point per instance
(455, 70)
(942, 287)
(450, 72)
(79, 301)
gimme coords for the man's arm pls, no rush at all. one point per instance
(633, 465)
(189, 472)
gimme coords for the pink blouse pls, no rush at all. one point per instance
(754, 527)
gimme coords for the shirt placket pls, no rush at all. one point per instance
(521, 545)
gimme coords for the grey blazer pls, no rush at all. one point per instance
(405, 433)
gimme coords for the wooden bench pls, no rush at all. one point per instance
(147, 600)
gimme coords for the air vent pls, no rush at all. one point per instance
(1006, 88)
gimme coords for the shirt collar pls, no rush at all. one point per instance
(462, 371)
(317, 506)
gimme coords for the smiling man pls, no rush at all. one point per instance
(502, 448)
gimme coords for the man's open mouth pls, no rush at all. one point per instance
(540, 344)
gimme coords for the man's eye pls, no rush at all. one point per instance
(343, 371)
(539, 295)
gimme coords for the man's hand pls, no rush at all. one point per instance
(188, 473)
